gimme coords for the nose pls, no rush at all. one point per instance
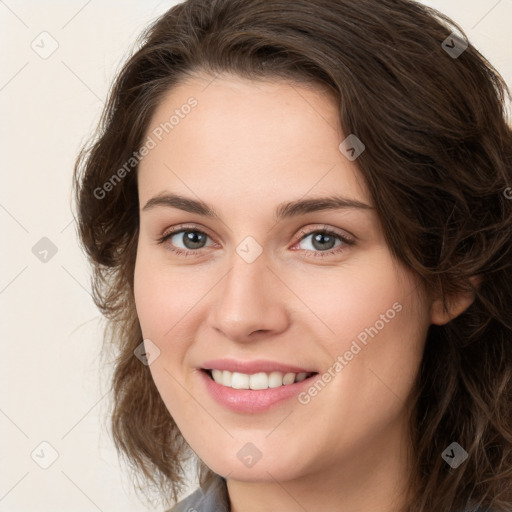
(249, 300)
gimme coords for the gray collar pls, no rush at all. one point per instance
(212, 497)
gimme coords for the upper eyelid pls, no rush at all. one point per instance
(337, 231)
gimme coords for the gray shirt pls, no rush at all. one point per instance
(213, 497)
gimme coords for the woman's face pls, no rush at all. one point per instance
(262, 283)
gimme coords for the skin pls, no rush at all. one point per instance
(247, 147)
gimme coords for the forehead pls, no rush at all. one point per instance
(232, 137)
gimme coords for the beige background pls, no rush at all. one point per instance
(50, 328)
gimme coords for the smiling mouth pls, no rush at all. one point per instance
(256, 381)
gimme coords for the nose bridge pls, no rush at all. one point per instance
(247, 301)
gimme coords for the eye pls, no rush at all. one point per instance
(323, 242)
(192, 239)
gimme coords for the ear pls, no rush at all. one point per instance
(456, 304)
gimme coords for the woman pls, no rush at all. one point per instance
(370, 374)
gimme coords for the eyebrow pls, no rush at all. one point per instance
(282, 211)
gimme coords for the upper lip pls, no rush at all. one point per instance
(254, 366)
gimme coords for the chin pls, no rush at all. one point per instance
(260, 471)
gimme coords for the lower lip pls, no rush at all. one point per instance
(249, 400)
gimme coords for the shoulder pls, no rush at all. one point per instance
(211, 497)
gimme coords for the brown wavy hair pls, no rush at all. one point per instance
(438, 164)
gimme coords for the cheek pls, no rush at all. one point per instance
(163, 300)
(355, 297)
(380, 336)
(377, 322)
(163, 296)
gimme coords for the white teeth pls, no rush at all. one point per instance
(275, 380)
(256, 381)
(240, 381)
(227, 377)
(289, 378)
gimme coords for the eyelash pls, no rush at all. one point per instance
(303, 233)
